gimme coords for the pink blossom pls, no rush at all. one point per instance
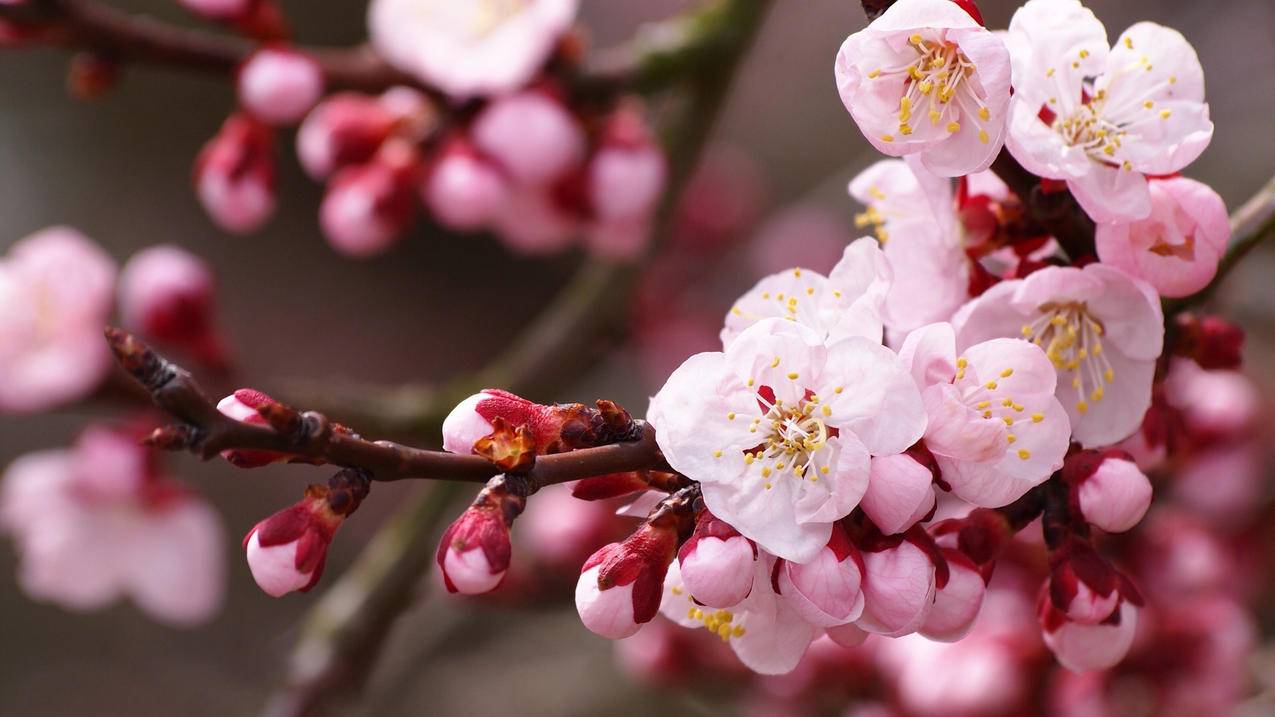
(561, 531)
(487, 47)
(473, 553)
(995, 428)
(898, 590)
(925, 78)
(825, 591)
(779, 428)
(242, 406)
(279, 86)
(1176, 249)
(1103, 119)
(169, 294)
(368, 207)
(900, 493)
(56, 290)
(621, 585)
(958, 602)
(463, 190)
(1213, 403)
(1083, 647)
(717, 563)
(345, 129)
(1113, 493)
(846, 303)
(765, 632)
(532, 223)
(97, 522)
(235, 175)
(532, 135)
(627, 173)
(1102, 330)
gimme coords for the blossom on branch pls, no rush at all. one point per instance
(235, 175)
(279, 86)
(169, 295)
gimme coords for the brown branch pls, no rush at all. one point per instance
(312, 437)
(1056, 213)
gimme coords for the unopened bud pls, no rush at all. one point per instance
(243, 406)
(235, 175)
(168, 294)
(1113, 493)
(368, 207)
(279, 86)
(621, 584)
(474, 551)
(532, 135)
(464, 191)
(717, 563)
(827, 590)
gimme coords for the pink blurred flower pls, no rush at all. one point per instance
(561, 531)
(1103, 119)
(825, 591)
(745, 426)
(486, 47)
(1213, 403)
(222, 10)
(345, 129)
(900, 493)
(169, 295)
(463, 190)
(803, 234)
(279, 86)
(846, 303)
(532, 135)
(235, 175)
(368, 207)
(958, 602)
(995, 428)
(1083, 647)
(926, 78)
(532, 223)
(56, 289)
(716, 563)
(1176, 249)
(98, 522)
(1102, 329)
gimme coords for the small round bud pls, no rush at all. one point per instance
(279, 86)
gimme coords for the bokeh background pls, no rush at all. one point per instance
(302, 318)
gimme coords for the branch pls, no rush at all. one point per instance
(1057, 213)
(312, 437)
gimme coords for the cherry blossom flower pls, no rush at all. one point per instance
(898, 589)
(169, 294)
(778, 429)
(1102, 329)
(485, 47)
(716, 563)
(1177, 248)
(926, 78)
(474, 551)
(900, 493)
(346, 128)
(279, 85)
(958, 602)
(56, 290)
(532, 223)
(1083, 647)
(368, 207)
(532, 135)
(846, 303)
(995, 428)
(235, 175)
(764, 631)
(1103, 119)
(97, 522)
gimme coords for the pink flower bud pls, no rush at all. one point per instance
(847, 635)
(368, 207)
(627, 174)
(898, 590)
(900, 493)
(279, 86)
(463, 191)
(532, 135)
(474, 552)
(1082, 585)
(471, 419)
(956, 604)
(827, 590)
(532, 223)
(242, 406)
(717, 563)
(344, 129)
(167, 294)
(235, 175)
(286, 552)
(621, 584)
(1113, 493)
(1080, 647)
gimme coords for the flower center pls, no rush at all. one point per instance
(1089, 130)
(995, 403)
(792, 438)
(1072, 339)
(718, 622)
(485, 16)
(935, 85)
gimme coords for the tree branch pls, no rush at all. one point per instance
(1057, 213)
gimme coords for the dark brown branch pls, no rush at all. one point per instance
(312, 437)
(1056, 213)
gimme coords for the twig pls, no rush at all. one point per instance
(1057, 213)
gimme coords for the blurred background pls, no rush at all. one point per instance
(299, 316)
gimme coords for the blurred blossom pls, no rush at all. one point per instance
(56, 294)
(805, 235)
(169, 295)
(346, 128)
(722, 199)
(236, 179)
(279, 86)
(532, 135)
(463, 190)
(98, 521)
(367, 207)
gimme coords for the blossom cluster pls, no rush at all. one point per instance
(496, 144)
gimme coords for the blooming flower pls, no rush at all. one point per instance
(845, 303)
(279, 86)
(926, 78)
(1177, 247)
(1102, 329)
(995, 428)
(778, 429)
(56, 290)
(485, 47)
(1102, 119)
(97, 522)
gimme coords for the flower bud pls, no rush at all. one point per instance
(463, 191)
(1212, 341)
(717, 563)
(343, 130)
(898, 589)
(533, 223)
(242, 406)
(1083, 647)
(1082, 585)
(554, 428)
(627, 173)
(956, 604)
(474, 551)
(827, 590)
(367, 207)
(235, 175)
(279, 86)
(532, 135)
(168, 294)
(1113, 493)
(900, 493)
(286, 552)
(621, 584)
